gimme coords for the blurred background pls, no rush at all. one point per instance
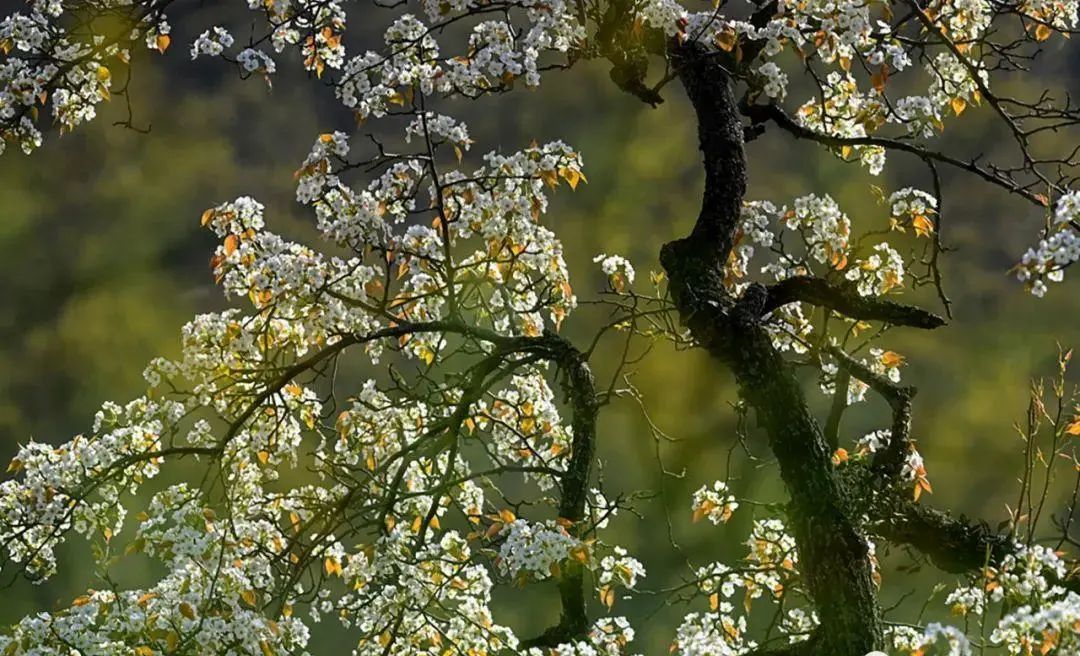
(102, 260)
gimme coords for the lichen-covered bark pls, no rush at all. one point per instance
(832, 551)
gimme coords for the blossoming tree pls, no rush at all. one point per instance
(441, 266)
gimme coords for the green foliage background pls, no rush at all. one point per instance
(102, 260)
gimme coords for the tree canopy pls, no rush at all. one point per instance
(391, 426)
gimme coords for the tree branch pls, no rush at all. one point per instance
(847, 301)
(580, 388)
(890, 461)
(771, 112)
(953, 545)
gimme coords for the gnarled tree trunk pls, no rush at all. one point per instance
(833, 552)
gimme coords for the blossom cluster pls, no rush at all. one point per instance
(878, 274)
(618, 269)
(1037, 613)
(1060, 248)
(619, 570)
(608, 636)
(241, 394)
(41, 49)
(715, 503)
(534, 550)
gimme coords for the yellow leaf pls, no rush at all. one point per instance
(332, 566)
(507, 516)
(266, 649)
(427, 355)
(249, 597)
(145, 598)
(1042, 32)
(143, 650)
(725, 39)
(958, 105)
(103, 74)
(890, 280)
(607, 596)
(162, 42)
(231, 244)
(550, 177)
(263, 456)
(839, 260)
(923, 226)
(572, 176)
(15, 465)
(1074, 427)
(840, 456)
(206, 216)
(879, 78)
(891, 359)
(186, 610)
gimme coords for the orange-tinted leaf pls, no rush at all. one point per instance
(891, 359)
(958, 105)
(923, 226)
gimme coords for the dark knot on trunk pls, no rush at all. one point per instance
(696, 276)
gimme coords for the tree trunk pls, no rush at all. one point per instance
(833, 552)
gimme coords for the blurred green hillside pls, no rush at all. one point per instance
(102, 261)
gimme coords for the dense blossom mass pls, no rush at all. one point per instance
(383, 508)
